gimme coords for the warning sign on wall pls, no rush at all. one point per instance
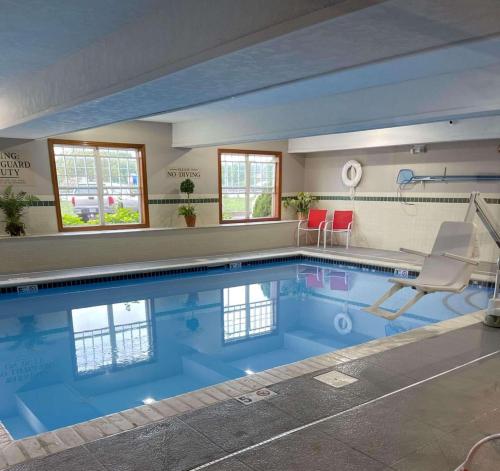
(14, 169)
(184, 172)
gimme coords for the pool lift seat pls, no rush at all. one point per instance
(447, 268)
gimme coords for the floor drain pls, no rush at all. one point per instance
(256, 396)
(336, 379)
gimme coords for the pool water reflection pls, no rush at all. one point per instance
(70, 355)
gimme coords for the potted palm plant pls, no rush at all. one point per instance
(13, 206)
(301, 203)
(187, 210)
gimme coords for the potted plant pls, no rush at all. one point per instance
(13, 206)
(187, 210)
(302, 202)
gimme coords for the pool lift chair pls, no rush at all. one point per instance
(450, 264)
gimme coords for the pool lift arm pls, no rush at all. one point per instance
(478, 206)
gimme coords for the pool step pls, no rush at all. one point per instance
(53, 406)
(310, 344)
(208, 369)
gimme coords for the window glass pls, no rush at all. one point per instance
(99, 186)
(249, 311)
(249, 186)
(111, 336)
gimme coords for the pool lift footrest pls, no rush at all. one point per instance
(389, 315)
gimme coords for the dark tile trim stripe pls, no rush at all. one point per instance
(184, 201)
(250, 263)
(401, 199)
(492, 200)
(35, 204)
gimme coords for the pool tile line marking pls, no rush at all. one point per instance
(26, 449)
(338, 414)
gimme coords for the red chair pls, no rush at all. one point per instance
(315, 222)
(341, 223)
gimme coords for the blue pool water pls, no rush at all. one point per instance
(73, 354)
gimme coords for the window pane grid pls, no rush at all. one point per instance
(98, 186)
(115, 345)
(248, 186)
(235, 322)
(262, 318)
(251, 318)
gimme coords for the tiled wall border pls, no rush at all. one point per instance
(167, 201)
(183, 200)
(38, 204)
(333, 197)
(19, 451)
(399, 199)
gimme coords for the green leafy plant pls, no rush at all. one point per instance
(72, 220)
(122, 216)
(262, 207)
(187, 186)
(13, 206)
(186, 210)
(301, 203)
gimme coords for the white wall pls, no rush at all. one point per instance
(391, 225)
(160, 155)
(379, 224)
(31, 254)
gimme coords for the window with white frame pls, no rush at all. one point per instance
(249, 185)
(112, 336)
(99, 185)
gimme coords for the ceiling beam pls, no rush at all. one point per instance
(444, 131)
(153, 64)
(439, 98)
(190, 53)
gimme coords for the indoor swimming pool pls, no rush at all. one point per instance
(72, 354)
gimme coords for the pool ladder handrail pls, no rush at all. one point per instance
(477, 205)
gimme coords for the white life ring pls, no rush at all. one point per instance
(351, 173)
(342, 323)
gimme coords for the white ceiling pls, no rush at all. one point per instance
(181, 61)
(37, 33)
(446, 60)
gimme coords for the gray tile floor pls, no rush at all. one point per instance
(428, 426)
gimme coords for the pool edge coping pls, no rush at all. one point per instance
(56, 441)
(63, 277)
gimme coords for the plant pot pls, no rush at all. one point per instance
(190, 220)
(15, 229)
(301, 216)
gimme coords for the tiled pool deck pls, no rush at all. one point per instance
(421, 427)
